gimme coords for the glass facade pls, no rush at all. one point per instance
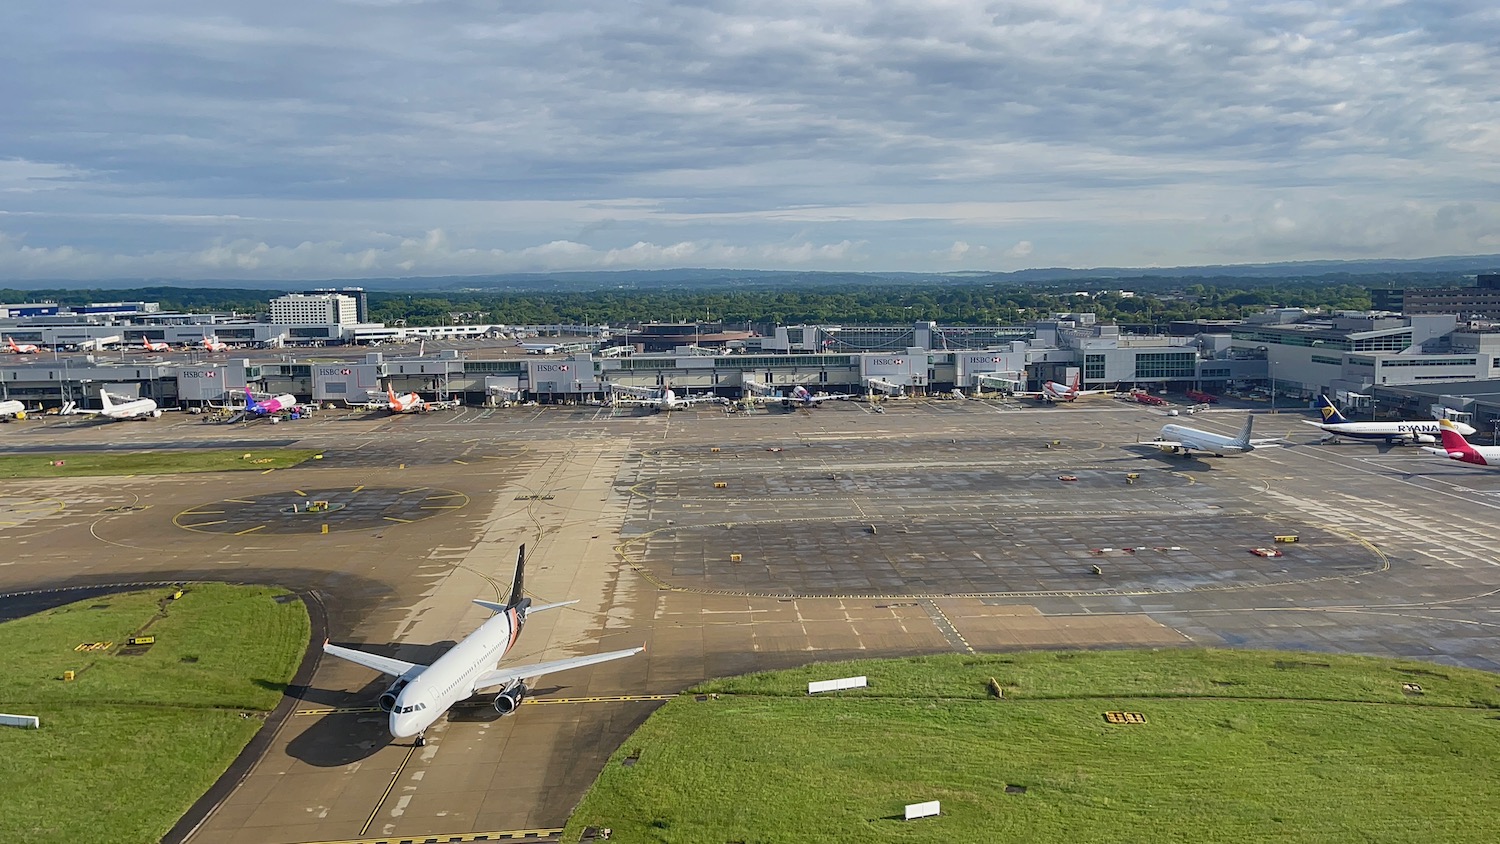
(1093, 367)
(1166, 365)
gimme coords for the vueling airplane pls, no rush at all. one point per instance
(422, 693)
(1422, 431)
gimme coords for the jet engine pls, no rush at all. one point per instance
(156, 414)
(1425, 438)
(387, 700)
(507, 701)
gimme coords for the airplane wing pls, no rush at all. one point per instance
(692, 400)
(383, 664)
(502, 676)
(635, 402)
(830, 397)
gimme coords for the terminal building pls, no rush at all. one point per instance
(1377, 360)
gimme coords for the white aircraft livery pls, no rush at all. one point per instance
(1421, 431)
(132, 409)
(1180, 439)
(422, 693)
(657, 399)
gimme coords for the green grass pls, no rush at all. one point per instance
(1235, 748)
(86, 463)
(127, 746)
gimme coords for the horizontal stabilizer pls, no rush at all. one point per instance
(538, 608)
(491, 605)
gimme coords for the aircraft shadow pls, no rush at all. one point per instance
(479, 709)
(342, 737)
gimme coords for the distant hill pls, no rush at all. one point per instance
(707, 279)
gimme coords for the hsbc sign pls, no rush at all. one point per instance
(333, 370)
(551, 367)
(192, 374)
(888, 362)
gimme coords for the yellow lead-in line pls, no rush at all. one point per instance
(503, 835)
(241, 500)
(440, 506)
(358, 488)
(266, 472)
(201, 513)
(448, 495)
(410, 491)
(205, 524)
(250, 530)
(462, 462)
(531, 701)
(300, 492)
(394, 519)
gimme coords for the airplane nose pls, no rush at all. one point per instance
(401, 727)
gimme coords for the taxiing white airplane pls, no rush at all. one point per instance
(153, 346)
(213, 344)
(22, 348)
(132, 409)
(1403, 433)
(1455, 447)
(662, 399)
(422, 693)
(1180, 439)
(1053, 392)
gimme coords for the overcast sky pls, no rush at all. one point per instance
(347, 138)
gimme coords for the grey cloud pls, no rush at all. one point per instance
(324, 120)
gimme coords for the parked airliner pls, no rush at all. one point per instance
(1421, 431)
(1455, 447)
(132, 409)
(12, 409)
(154, 346)
(1053, 392)
(422, 693)
(22, 348)
(275, 404)
(662, 399)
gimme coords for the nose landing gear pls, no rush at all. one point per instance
(421, 741)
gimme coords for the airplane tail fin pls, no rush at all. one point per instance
(12, 342)
(249, 400)
(1453, 441)
(104, 397)
(517, 590)
(1331, 415)
(1243, 440)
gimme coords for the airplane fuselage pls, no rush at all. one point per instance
(1193, 439)
(451, 678)
(1422, 432)
(138, 409)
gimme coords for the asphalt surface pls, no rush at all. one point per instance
(742, 542)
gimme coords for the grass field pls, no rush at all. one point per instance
(85, 463)
(127, 746)
(1237, 746)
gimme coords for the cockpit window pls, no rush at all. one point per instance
(413, 708)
